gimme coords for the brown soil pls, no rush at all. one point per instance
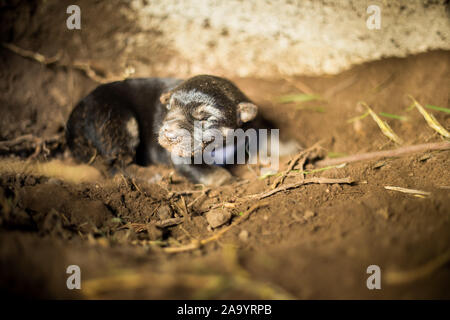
(315, 241)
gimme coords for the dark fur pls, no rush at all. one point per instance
(97, 127)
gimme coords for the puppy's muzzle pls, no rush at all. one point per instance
(171, 136)
(169, 132)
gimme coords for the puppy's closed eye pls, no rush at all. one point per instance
(200, 115)
(207, 112)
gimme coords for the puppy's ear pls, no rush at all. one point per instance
(246, 111)
(165, 97)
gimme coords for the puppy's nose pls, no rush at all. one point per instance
(170, 135)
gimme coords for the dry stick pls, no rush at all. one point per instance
(78, 65)
(385, 154)
(269, 193)
(195, 244)
(301, 159)
(169, 222)
(303, 156)
(138, 227)
(204, 193)
(263, 195)
(31, 55)
(173, 194)
(37, 143)
(8, 144)
(224, 205)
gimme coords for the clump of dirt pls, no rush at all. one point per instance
(146, 235)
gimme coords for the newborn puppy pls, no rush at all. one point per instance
(154, 120)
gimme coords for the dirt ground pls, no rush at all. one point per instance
(311, 242)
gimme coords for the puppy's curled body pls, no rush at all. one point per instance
(137, 120)
(115, 122)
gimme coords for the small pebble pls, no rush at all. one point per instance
(54, 181)
(164, 212)
(384, 212)
(243, 235)
(217, 217)
(308, 214)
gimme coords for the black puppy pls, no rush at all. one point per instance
(149, 120)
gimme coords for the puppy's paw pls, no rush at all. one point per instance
(217, 177)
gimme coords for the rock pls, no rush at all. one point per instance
(164, 212)
(384, 212)
(243, 235)
(308, 214)
(218, 217)
(54, 181)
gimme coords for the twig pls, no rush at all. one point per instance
(385, 154)
(224, 205)
(139, 227)
(181, 208)
(85, 67)
(174, 194)
(169, 222)
(32, 55)
(300, 159)
(36, 143)
(8, 144)
(193, 245)
(263, 195)
(279, 180)
(196, 244)
(204, 193)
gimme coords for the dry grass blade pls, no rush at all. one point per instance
(402, 277)
(385, 128)
(430, 119)
(410, 191)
